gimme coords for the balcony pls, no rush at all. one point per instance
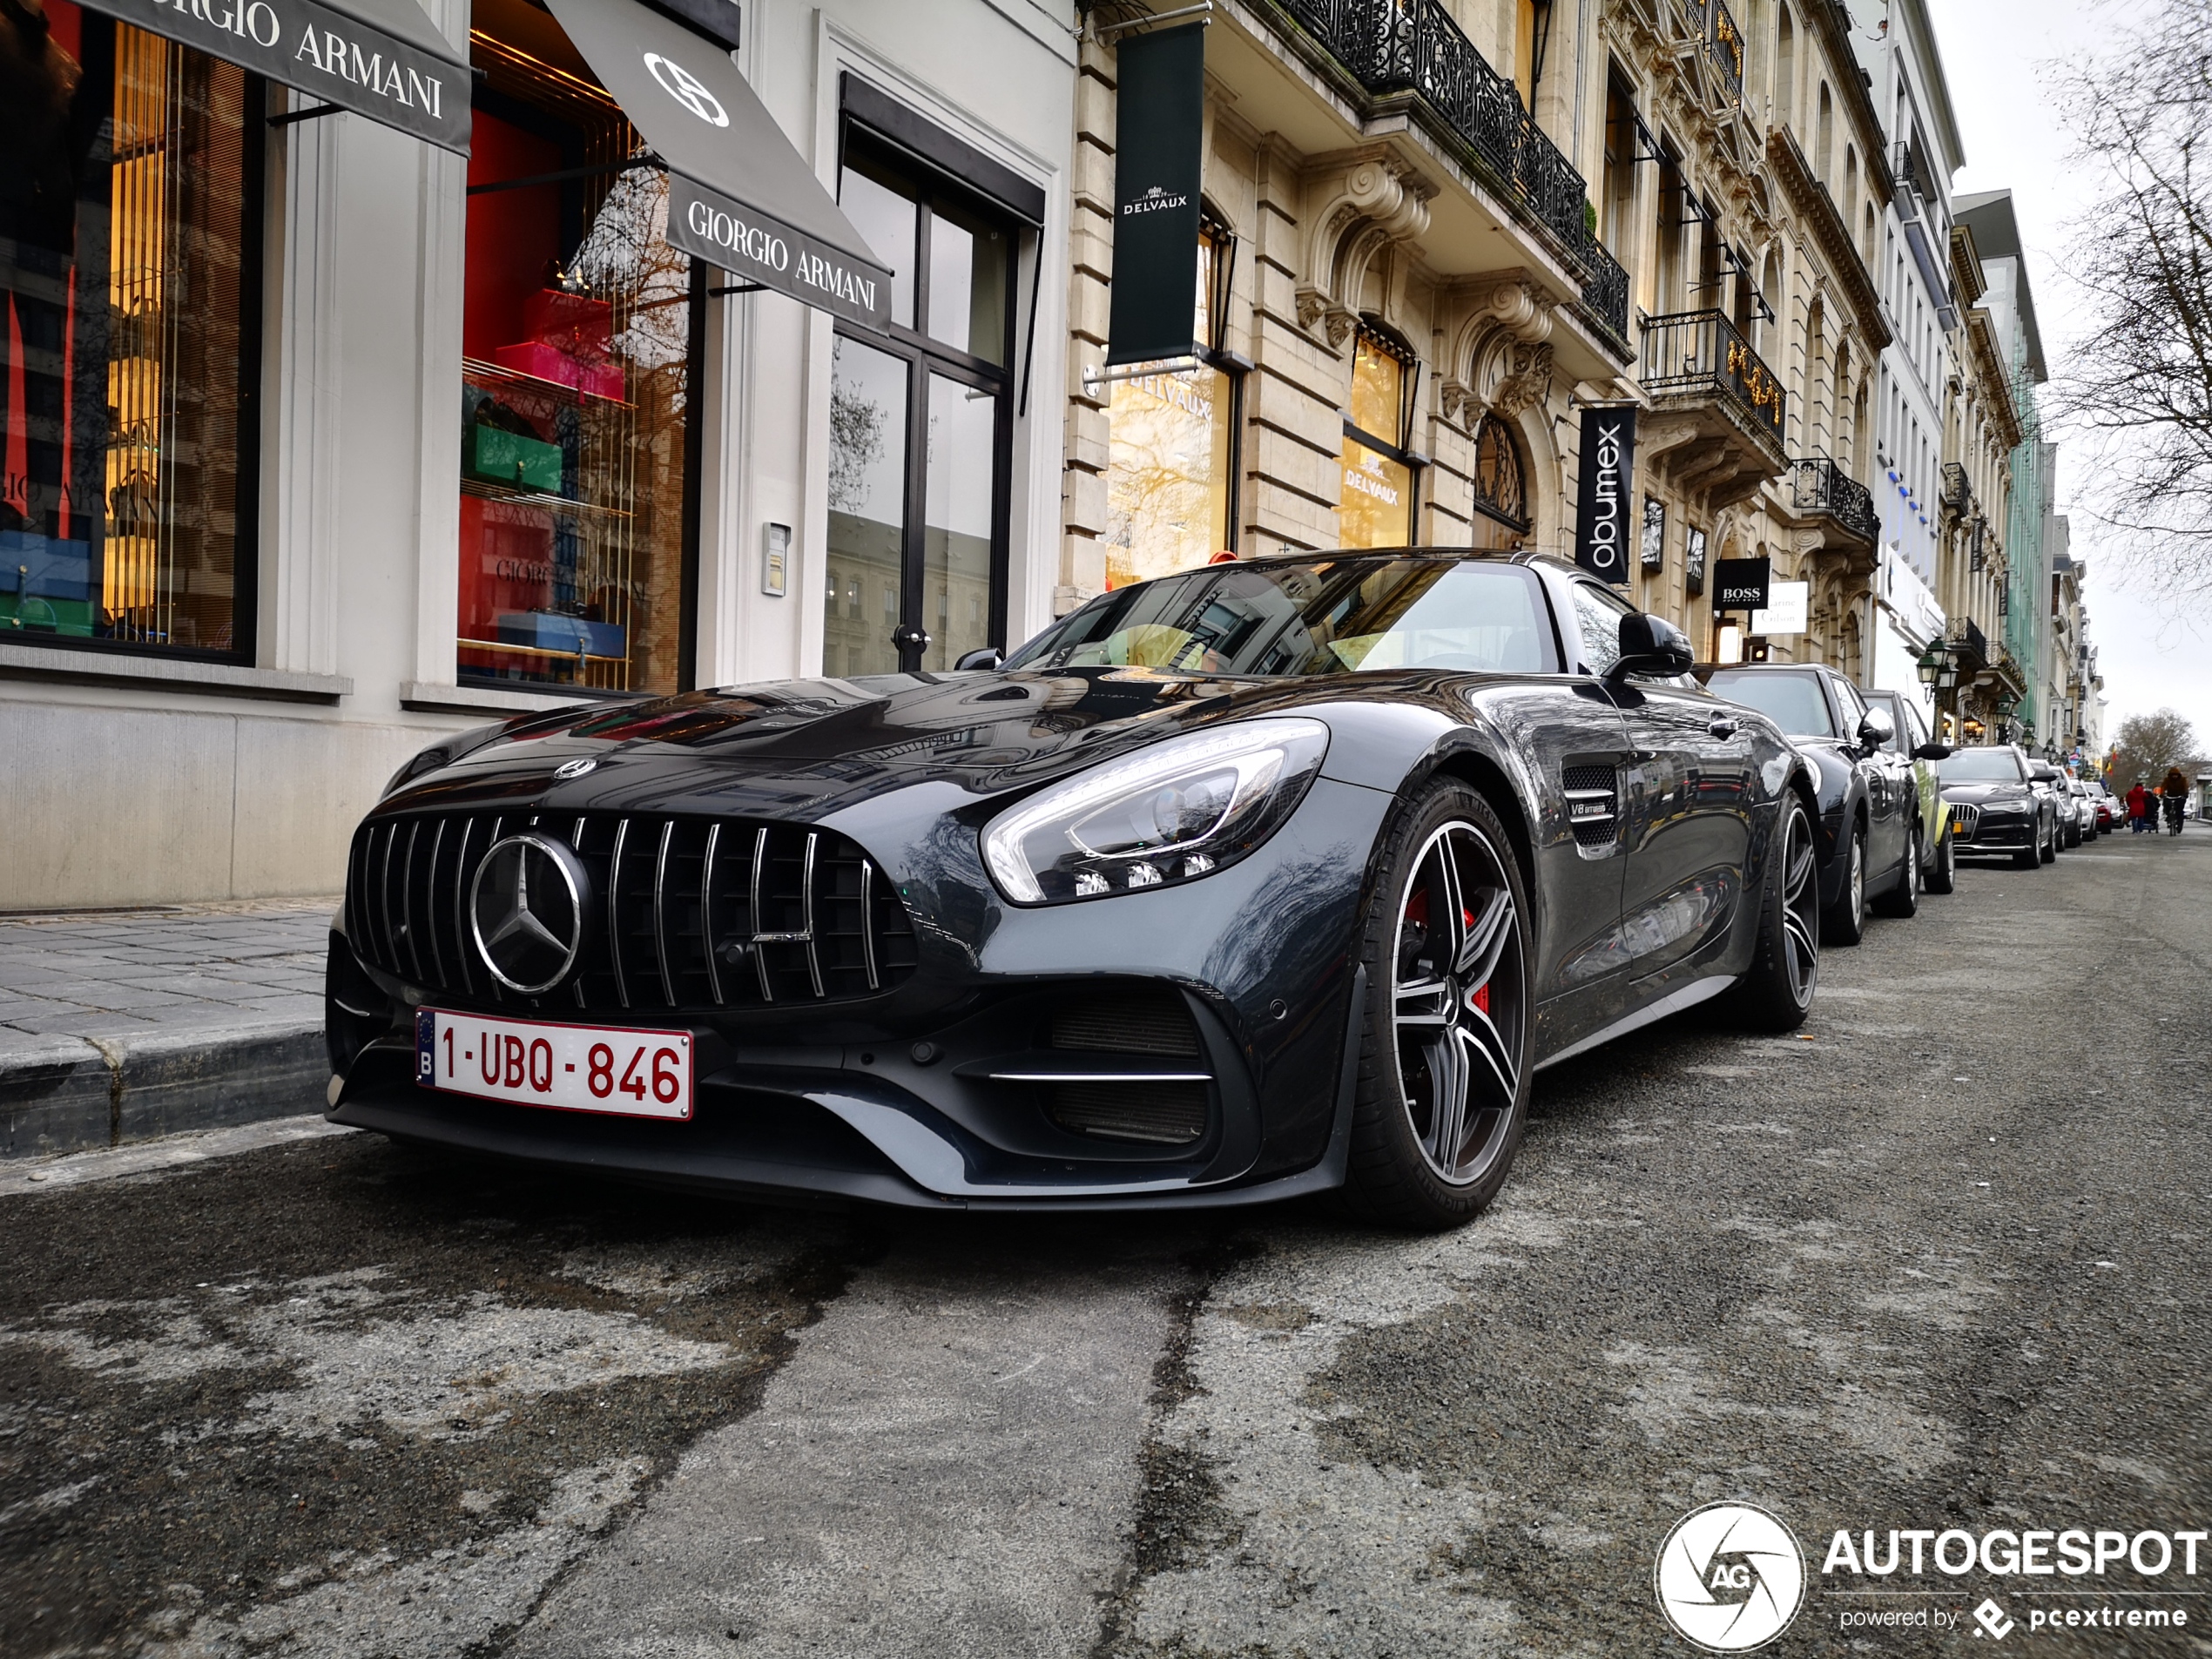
(1819, 488)
(1695, 363)
(1713, 26)
(1974, 645)
(1958, 494)
(1414, 48)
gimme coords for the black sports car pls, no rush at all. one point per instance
(1263, 879)
(1871, 833)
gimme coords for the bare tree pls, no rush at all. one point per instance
(2139, 386)
(2147, 744)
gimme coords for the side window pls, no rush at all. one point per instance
(1847, 705)
(1597, 617)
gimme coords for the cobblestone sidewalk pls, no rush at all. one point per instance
(132, 974)
(116, 1026)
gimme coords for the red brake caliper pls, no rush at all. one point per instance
(1482, 992)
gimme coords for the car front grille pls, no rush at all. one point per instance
(1965, 820)
(685, 913)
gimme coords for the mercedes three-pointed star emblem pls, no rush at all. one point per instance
(526, 908)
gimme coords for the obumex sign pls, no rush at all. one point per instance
(1602, 504)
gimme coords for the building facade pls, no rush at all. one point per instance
(326, 439)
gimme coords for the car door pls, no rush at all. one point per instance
(1687, 798)
(1888, 815)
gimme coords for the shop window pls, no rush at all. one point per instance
(920, 425)
(1500, 486)
(1375, 504)
(1653, 550)
(1171, 474)
(579, 336)
(130, 192)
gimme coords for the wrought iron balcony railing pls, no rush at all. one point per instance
(1968, 632)
(1713, 26)
(1415, 46)
(1818, 485)
(1701, 352)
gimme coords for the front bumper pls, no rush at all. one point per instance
(953, 1090)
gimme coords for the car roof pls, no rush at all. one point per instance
(1456, 554)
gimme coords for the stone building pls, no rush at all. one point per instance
(1435, 233)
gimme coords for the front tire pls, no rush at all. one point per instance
(1776, 993)
(2051, 847)
(1905, 898)
(1446, 1050)
(1942, 874)
(1845, 921)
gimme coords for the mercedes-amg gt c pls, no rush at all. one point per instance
(1260, 879)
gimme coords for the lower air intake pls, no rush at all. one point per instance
(1162, 1114)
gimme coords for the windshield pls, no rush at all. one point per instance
(1982, 766)
(1322, 617)
(1791, 701)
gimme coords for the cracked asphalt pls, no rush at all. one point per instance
(1941, 1265)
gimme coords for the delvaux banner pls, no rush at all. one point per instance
(1155, 196)
(1609, 459)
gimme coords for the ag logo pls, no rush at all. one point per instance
(688, 89)
(1730, 1577)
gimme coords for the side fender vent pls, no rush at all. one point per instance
(1593, 804)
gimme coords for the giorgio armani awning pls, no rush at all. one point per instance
(380, 58)
(739, 195)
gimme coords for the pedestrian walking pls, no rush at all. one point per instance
(2138, 808)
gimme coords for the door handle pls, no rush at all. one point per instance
(1721, 725)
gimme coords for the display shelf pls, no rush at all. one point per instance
(490, 490)
(477, 369)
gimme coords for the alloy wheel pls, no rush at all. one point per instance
(1459, 990)
(1800, 906)
(1857, 877)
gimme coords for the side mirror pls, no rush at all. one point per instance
(1933, 751)
(988, 657)
(1650, 645)
(1876, 729)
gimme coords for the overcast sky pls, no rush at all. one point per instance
(2150, 655)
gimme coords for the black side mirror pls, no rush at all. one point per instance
(987, 656)
(1933, 751)
(1650, 645)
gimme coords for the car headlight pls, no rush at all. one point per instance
(1999, 808)
(1169, 814)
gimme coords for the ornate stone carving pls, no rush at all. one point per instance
(1457, 401)
(1339, 321)
(1528, 385)
(1312, 303)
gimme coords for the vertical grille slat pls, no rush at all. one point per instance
(706, 915)
(809, 907)
(867, 923)
(660, 913)
(760, 916)
(614, 911)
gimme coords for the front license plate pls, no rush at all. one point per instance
(568, 1067)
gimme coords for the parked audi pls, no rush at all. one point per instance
(1259, 879)
(1996, 807)
(1869, 822)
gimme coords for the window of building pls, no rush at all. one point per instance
(580, 331)
(129, 219)
(1170, 472)
(1653, 552)
(1500, 486)
(1624, 142)
(1376, 502)
(920, 427)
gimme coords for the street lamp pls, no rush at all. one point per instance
(1930, 666)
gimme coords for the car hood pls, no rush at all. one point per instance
(1982, 794)
(807, 746)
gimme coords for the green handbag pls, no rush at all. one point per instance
(509, 458)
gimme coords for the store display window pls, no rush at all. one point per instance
(1375, 505)
(579, 339)
(1171, 467)
(130, 250)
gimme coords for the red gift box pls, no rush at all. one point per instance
(575, 323)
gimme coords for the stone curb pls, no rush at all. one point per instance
(65, 1094)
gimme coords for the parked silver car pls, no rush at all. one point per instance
(2085, 811)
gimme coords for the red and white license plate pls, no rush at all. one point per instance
(568, 1068)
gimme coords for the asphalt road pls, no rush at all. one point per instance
(1942, 1265)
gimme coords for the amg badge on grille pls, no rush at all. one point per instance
(526, 908)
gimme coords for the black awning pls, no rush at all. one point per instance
(382, 58)
(739, 194)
